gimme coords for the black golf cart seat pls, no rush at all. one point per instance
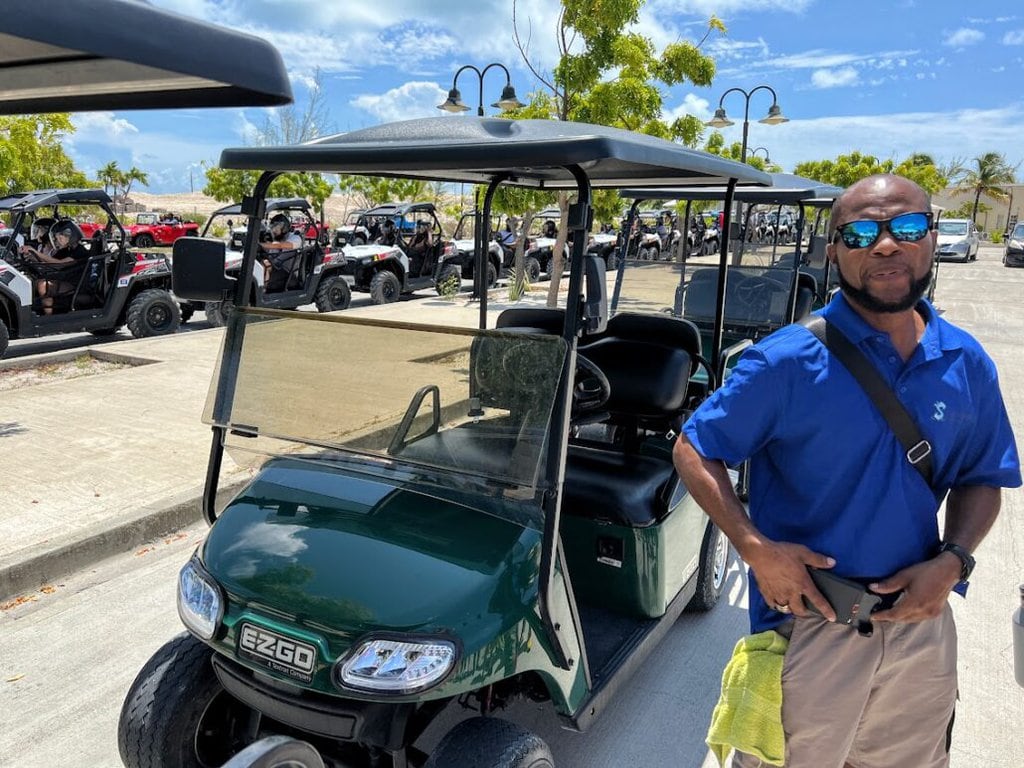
(755, 297)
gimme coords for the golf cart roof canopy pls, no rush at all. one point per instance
(533, 153)
(125, 54)
(785, 188)
(30, 201)
(384, 209)
(273, 204)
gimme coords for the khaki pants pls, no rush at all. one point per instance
(884, 701)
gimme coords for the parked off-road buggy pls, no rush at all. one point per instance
(542, 238)
(449, 538)
(151, 228)
(500, 258)
(391, 267)
(116, 287)
(652, 235)
(355, 230)
(312, 274)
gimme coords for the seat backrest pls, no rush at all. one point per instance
(648, 360)
(754, 296)
(536, 319)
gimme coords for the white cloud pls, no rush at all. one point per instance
(100, 126)
(721, 8)
(820, 59)
(414, 99)
(1015, 37)
(834, 78)
(692, 105)
(963, 37)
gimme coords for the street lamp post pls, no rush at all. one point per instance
(507, 101)
(454, 103)
(767, 156)
(720, 120)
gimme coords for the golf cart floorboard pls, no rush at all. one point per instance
(617, 646)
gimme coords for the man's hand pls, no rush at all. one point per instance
(781, 571)
(925, 588)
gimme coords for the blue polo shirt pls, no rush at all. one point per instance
(826, 469)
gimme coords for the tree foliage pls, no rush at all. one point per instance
(844, 170)
(285, 125)
(377, 190)
(987, 175)
(31, 155)
(608, 74)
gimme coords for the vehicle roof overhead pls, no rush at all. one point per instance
(52, 63)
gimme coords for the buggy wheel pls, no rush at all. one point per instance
(153, 313)
(359, 240)
(144, 241)
(492, 743)
(611, 261)
(5, 337)
(219, 312)
(187, 309)
(176, 714)
(449, 280)
(333, 294)
(532, 269)
(492, 275)
(384, 287)
(713, 564)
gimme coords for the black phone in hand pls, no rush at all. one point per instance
(851, 601)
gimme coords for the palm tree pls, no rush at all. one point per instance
(133, 174)
(989, 175)
(109, 174)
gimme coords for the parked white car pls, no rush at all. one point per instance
(958, 240)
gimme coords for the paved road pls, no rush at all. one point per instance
(67, 658)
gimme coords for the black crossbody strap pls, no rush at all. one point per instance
(918, 450)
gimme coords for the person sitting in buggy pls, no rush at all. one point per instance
(388, 235)
(279, 253)
(550, 229)
(38, 241)
(58, 270)
(419, 247)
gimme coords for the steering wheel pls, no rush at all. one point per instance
(591, 388)
(756, 293)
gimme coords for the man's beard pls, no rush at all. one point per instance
(865, 300)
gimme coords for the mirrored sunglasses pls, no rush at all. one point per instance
(907, 228)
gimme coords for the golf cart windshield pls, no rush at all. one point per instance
(452, 406)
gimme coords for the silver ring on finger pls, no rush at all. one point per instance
(782, 607)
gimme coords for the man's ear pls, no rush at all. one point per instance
(830, 251)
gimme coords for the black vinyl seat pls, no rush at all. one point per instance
(629, 489)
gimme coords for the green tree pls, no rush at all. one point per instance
(32, 156)
(844, 170)
(285, 125)
(133, 175)
(609, 75)
(377, 190)
(988, 175)
(109, 176)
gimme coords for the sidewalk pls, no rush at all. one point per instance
(100, 464)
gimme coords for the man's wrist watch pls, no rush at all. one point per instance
(966, 559)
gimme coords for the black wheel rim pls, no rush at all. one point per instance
(219, 730)
(336, 296)
(158, 317)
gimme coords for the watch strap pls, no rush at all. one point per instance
(966, 558)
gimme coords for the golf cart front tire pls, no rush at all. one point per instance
(333, 294)
(166, 706)
(489, 742)
(384, 287)
(713, 564)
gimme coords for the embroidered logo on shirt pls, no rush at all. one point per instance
(940, 411)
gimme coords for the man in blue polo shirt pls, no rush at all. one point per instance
(831, 488)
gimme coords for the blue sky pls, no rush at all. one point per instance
(887, 78)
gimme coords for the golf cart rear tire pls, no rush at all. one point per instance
(165, 706)
(218, 312)
(154, 312)
(385, 288)
(492, 275)
(333, 294)
(5, 338)
(488, 742)
(713, 564)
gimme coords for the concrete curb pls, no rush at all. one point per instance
(54, 559)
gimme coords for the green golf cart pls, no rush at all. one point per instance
(491, 514)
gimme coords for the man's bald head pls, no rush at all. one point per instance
(881, 186)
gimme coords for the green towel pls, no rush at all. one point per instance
(748, 716)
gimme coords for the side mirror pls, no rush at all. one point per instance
(595, 306)
(197, 270)
(815, 256)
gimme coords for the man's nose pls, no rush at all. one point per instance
(886, 244)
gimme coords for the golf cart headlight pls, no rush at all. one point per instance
(397, 666)
(200, 605)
